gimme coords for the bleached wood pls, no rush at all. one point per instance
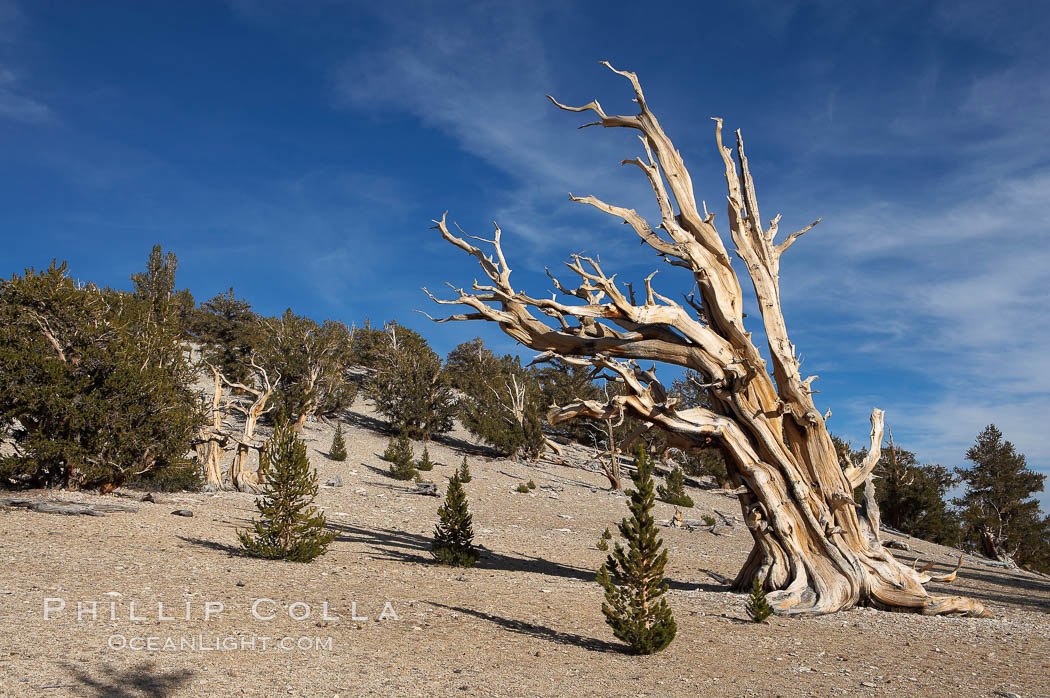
(815, 550)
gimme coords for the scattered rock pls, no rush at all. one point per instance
(897, 545)
(183, 512)
(336, 481)
(148, 498)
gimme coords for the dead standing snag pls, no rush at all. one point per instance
(815, 549)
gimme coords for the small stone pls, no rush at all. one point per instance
(869, 684)
(183, 512)
(336, 481)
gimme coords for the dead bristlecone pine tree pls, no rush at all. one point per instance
(757, 606)
(338, 449)
(289, 527)
(454, 533)
(633, 579)
(815, 549)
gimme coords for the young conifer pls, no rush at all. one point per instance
(757, 606)
(289, 527)
(424, 463)
(399, 454)
(454, 534)
(338, 449)
(674, 491)
(633, 579)
(464, 471)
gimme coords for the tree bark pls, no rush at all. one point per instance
(241, 477)
(811, 551)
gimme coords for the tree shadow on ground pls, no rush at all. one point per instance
(231, 550)
(1004, 586)
(467, 448)
(140, 680)
(541, 632)
(390, 544)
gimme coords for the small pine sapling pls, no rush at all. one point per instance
(464, 471)
(523, 488)
(424, 463)
(633, 579)
(399, 454)
(708, 520)
(338, 448)
(289, 527)
(603, 542)
(757, 607)
(531, 485)
(454, 533)
(674, 491)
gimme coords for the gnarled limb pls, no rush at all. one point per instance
(815, 549)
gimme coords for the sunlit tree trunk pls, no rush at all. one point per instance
(811, 551)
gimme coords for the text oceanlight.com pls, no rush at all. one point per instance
(215, 643)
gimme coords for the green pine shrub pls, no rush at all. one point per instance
(338, 449)
(758, 609)
(674, 491)
(708, 520)
(424, 463)
(464, 471)
(523, 488)
(399, 454)
(95, 384)
(603, 542)
(531, 485)
(289, 527)
(633, 579)
(408, 386)
(454, 533)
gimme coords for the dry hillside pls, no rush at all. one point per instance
(526, 621)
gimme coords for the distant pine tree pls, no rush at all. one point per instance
(603, 542)
(633, 579)
(758, 609)
(338, 449)
(289, 527)
(674, 491)
(424, 463)
(399, 454)
(464, 471)
(454, 534)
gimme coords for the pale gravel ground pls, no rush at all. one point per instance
(525, 622)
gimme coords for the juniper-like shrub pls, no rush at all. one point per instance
(633, 579)
(464, 471)
(424, 463)
(454, 533)
(674, 491)
(758, 609)
(338, 448)
(289, 527)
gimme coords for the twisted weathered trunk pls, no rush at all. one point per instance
(811, 549)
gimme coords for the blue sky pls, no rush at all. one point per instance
(298, 152)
